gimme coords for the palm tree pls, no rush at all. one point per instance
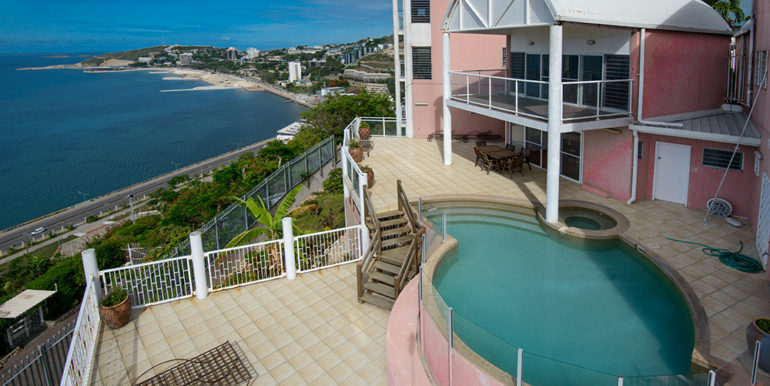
(272, 226)
(730, 10)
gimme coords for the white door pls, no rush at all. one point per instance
(672, 172)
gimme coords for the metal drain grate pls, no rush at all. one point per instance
(219, 366)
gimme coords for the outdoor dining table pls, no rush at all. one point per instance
(498, 152)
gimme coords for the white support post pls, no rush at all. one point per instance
(620, 380)
(712, 378)
(344, 159)
(365, 234)
(755, 362)
(554, 124)
(91, 270)
(447, 86)
(519, 366)
(288, 248)
(199, 265)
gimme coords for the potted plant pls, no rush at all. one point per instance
(759, 330)
(363, 130)
(369, 175)
(115, 308)
(356, 151)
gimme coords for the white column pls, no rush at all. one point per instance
(199, 265)
(91, 270)
(365, 240)
(447, 94)
(554, 124)
(408, 69)
(397, 63)
(288, 248)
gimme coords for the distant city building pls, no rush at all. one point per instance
(232, 53)
(252, 53)
(295, 71)
(287, 133)
(274, 58)
(317, 63)
(185, 59)
(358, 52)
(144, 59)
(364, 77)
(328, 91)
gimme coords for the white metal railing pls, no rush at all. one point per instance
(152, 283)
(327, 249)
(352, 176)
(581, 99)
(384, 126)
(248, 264)
(80, 358)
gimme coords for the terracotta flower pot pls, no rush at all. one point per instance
(357, 153)
(369, 177)
(364, 132)
(753, 334)
(116, 316)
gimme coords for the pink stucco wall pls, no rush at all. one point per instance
(468, 52)
(739, 186)
(761, 115)
(607, 162)
(683, 72)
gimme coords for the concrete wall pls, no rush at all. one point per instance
(739, 187)
(607, 163)
(684, 72)
(468, 52)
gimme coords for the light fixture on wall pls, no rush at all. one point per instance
(613, 130)
(591, 42)
(531, 43)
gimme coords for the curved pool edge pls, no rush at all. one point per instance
(701, 350)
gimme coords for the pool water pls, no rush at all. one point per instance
(582, 223)
(583, 314)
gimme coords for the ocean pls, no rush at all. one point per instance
(65, 131)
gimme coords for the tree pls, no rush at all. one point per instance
(332, 115)
(272, 224)
(730, 10)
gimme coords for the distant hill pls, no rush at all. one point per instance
(131, 55)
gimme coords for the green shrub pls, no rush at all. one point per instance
(117, 296)
(91, 218)
(333, 183)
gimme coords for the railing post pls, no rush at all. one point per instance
(451, 342)
(519, 366)
(620, 380)
(443, 227)
(489, 90)
(288, 248)
(712, 378)
(364, 235)
(598, 95)
(467, 89)
(516, 94)
(91, 269)
(43, 348)
(216, 228)
(755, 362)
(199, 265)
(424, 251)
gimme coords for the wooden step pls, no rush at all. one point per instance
(393, 223)
(387, 267)
(382, 289)
(391, 213)
(396, 242)
(385, 277)
(379, 301)
(395, 232)
(395, 256)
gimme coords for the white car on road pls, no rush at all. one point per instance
(37, 231)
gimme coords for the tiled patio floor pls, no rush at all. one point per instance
(731, 298)
(310, 330)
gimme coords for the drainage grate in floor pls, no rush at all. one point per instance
(219, 366)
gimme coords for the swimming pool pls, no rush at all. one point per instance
(583, 311)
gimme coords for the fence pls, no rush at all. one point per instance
(236, 219)
(152, 283)
(384, 126)
(44, 365)
(80, 356)
(234, 267)
(327, 249)
(25, 329)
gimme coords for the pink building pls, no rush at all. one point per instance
(648, 106)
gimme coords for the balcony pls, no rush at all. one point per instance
(587, 104)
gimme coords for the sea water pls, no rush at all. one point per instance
(65, 131)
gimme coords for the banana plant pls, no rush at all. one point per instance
(272, 226)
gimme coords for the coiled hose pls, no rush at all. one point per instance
(734, 260)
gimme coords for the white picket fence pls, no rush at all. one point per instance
(327, 249)
(151, 283)
(249, 264)
(80, 358)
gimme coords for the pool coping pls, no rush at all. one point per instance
(700, 355)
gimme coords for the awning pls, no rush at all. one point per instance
(23, 302)
(710, 125)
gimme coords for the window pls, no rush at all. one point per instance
(421, 62)
(716, 158)
(616, 93)
(420, 11)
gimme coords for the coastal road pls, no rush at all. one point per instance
(78, 213)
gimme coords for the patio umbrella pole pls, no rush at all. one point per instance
(737, 144)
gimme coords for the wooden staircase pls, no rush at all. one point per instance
(394, 253)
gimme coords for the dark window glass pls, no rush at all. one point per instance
(592, 70)
(616, 93)
(421, 68)
(533, 73)
(420, 11)
(716, 158)
(570, 73)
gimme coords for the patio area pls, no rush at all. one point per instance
(732, 299)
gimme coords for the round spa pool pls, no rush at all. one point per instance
(583, 311)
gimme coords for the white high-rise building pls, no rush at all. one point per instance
(252, 53)
(232, 53)
(295, 71)
(185, 59)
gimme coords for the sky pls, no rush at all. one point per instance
(31, 26)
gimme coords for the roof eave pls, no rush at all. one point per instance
(667, 131)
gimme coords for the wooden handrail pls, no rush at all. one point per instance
(363, 268)
(405, 207)
(399, 281)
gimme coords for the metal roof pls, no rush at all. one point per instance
(680, 15)
(710, 125)
(23, 302)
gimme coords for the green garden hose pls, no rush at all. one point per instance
(729, 258)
